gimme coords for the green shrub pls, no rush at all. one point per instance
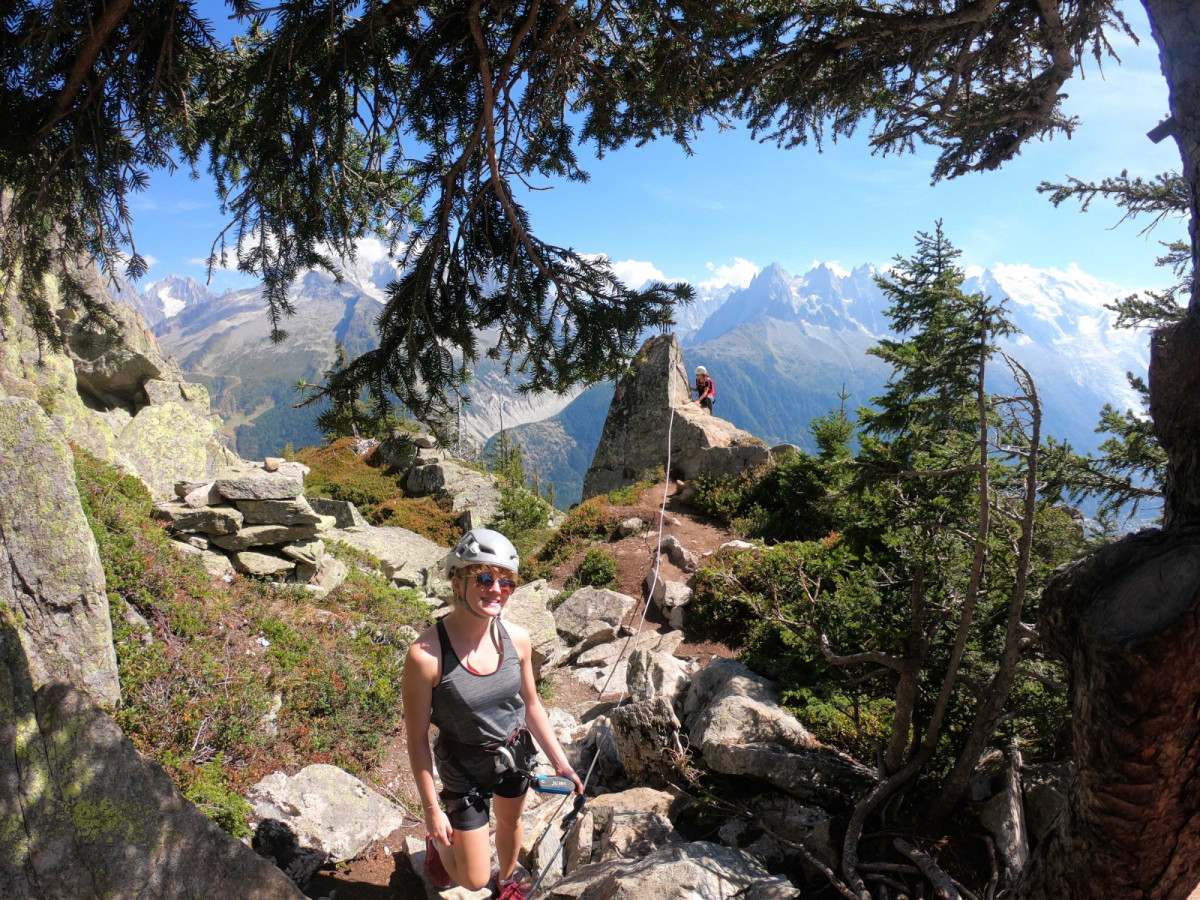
(632, 493)
(784, 501)
(597, 569)
(587, 522)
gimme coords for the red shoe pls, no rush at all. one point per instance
(435, 872)
(513, 890)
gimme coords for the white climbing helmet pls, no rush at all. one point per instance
(482, 546)
(700, 370)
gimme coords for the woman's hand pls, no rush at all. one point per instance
(567, 772)
(438, 825)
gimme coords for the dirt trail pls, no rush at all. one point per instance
(384, 871)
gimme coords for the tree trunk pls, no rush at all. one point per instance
(1175, 350)
(1127, 621)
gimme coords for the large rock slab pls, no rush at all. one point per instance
(648, 736)
(529, 607)
(345, 514)
(258, 484)
(327, 809)
(407, 558)
(172, 442)
(51, 576)
(632, 444)
(264, 535)
(279, 512)
(737, 725)
(179, 516)
(116, 371)
(83, 815)
(677, 872)
(470, 491)
(590, 609)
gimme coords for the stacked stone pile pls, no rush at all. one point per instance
(256, 518)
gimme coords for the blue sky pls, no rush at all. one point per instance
(737, 205)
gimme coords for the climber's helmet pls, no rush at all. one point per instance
(481, 547)
(700, 370)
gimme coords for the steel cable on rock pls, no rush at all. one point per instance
(573, 819)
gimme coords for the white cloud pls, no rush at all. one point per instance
(230, 263)
(740, 273)
(635, 272)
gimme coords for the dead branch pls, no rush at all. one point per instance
(943, 884)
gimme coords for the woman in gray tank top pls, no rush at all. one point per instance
(471, 675)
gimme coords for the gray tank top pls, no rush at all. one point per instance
(478, 709)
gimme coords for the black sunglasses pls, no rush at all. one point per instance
(486, 579)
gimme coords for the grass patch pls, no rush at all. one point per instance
(243, 680)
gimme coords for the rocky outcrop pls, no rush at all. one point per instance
(122, 399)
(735, 722)
(51, 577)
(677, 872)
(84, 815)
(408, 559)
(633, 445)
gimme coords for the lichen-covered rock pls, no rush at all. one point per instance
(328, 809)
(655, 674)
(529, 607)
(345, 514)
(325, 576)
(251, 562)
(677, 872)
(51, 576)
(649, 739)
(115, 371)
(170, 442)
(84, 815)
(222, 519)
(278, 512)
(307, 550)
(589, 609)
(259, 484)
(263, 536)
(215, 564)
(469, 490)
(407, 558)
(738, 727)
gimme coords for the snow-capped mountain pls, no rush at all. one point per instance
(782, 351)
(1066, 332)
(224, 341)
(786, 348)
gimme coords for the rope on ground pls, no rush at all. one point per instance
(662, 515)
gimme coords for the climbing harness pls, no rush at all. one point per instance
(569, 821)
(515, 753)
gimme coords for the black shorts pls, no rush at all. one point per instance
(472, 810)
(707, 403)
(470, 780)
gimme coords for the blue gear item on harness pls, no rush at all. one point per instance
(553, 784)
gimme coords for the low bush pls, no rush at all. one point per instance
(597, 569)
(586, 523)
(783, 501)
